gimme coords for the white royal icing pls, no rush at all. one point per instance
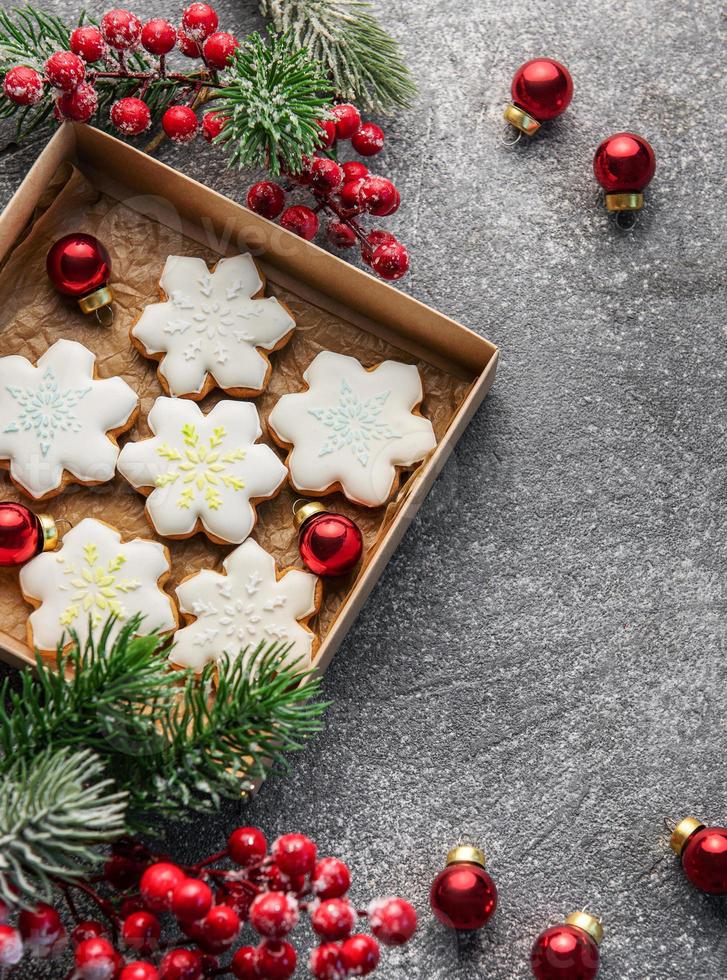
(92, 575)
(203, 467)
(244, 607)
(353, 427)
(210, 324)
(55, 416)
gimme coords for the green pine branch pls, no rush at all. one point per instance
(363, 60)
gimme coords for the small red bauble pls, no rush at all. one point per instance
(331, 878)
(78, 105)
(326, 962)
(368, 140)
(361, 955)
(266, 198)
(347, 119)
(88, 43)
(158, 883)
(352, 169)
(378, 196)
(158, 36)
(23, 85)
(96, 959)
(301, 221)
(65, 70)
(703, 851)
(121, 29)
(328, 133)
(88, 929)
(568, 951)
(182, 964)
(340, 235)
(220, 927)
(219, 48)
(333, 918)
(541, 89)
(11, 946)
(326, 175)
(180, 123)
(275, 960)
(130, 116)
(141, 931)
(247, 846)
(191, 900)
(393, 921)
(274, 914)
(212, 125)
(199, 20)
(463, 895)
(390, 261)
(78, 265)
(329, 544)
(23, 535)
(188, 46)
(624, 164)
(139, 970)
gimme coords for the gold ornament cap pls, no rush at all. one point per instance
(682, 832)
(303, 509)
(588, 923)
(465, 853)
(520, 119)
(95, 300)
(630, 201)
(50, 532)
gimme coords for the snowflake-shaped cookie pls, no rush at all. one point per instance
(92, 575)
(203, 470)
(57, 419)
(247, 605)
(353, 427)
(208, 329)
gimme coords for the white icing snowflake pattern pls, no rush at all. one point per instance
(353, 427)
(211, 324)
(245, 606)
(203, 468)
(91, 576)
(55, 416)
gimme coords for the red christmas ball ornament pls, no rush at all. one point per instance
(88, 43)
(121, 29)
(568, 951)
(361, 955)
(703, 851)
(275, 960)
(199, 20)
(274, 914)
(180, 123)
(78, 105)
(141, 931)
(541, 89)
(624, 165)
(219, 48)
(131, 116)
(212, 125)
(331, 878)
(188, 46)
(378, 196)
(139, 970)
(158, 883)
(301, 221)
(393, 921)
(158, 36)
(23, 85)
(329, 544)
(65, 70)
(191, 900)
(463, 896)
(347, 120)
(368, 140)
(23, 534)
(326, 962)
(266, 198)
(390, 261)
(78, 265)
(11, 946)
(182, 964)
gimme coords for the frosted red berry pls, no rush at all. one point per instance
(353, 169)
(393, 921)
(244, 963)
(333, 918)
(327, 963)
(378, 196)
(274, 914)
(121, 29)
(374, 239)
(11, 946)
(390, 261)
(328, 133)
(275, 960)
(295, 854)
(220, 927)
(340, 235)
(180, 123)
(158, 883)
(326, 175)
(130, 116)
(331, 878)
(348, 120)
(361, 955)
(368, 140)
(139, 970)
(141, 931)
(301, 221)
(158, 36)
(247, 845)
(199, 20)
(65, 70)
(41, 927)
(349, 193)
(191, 900)
(267, 199)
(219, 48)
(212, 125)
(23, 85)
(182, 964)
(88, 43)
(96, 959)
(88, 929)
(78, 105)
(188, 46)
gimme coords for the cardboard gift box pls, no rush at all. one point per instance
(85, 180)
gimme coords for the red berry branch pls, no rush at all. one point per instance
(165, 921)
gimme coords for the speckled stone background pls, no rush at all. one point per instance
(542, 668)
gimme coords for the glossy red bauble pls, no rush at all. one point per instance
(624, 162)
(247, 846)
(266, 198)
(158, 36)
(329, 544)
(361, 955)
(564, 952)
(219, 48)
(704, 859)
(88, 43)
(543, 88)
(78, 264)
(21, 534)
(463, 896)
(302, 221)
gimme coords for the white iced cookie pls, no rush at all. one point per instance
(208, 330)
(353, 427)
(202, 471)
(247, 605)
(59, 421)
(92, 575)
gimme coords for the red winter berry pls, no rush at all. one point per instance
(331, 878)
(275, 960)
(212, 125)
(393, 921)
(267, 199)
(78, 105)
(220, 928)
(23, 85)
(158, 883)
(158, 36)
(65, 70)
(340, 235)
(352, 169)
(121, 870)
(326, 177)
(88, 43)
(326, 962)
(131, 905)
(139, 970)
(88, 929)
(182, 964)
(328, 133)
(121, 29)
(180, 123)
(378, 196)
(11, 946)
(237, 897)
(333, 918)
(247, 845)
(361, 955)
(96, 959)
(295, 854)
(141, 931)
(301, 221)
(41, 927)
(376, 238)
(219, 48)
(274, 914)
(350, 191)
(188, 46)
(130, 116)
(191, 900)
(348, 120)
(244, 963)
(390, 261)
(368, 140)
(199, 20)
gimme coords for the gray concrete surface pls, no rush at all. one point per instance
(542, 668)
